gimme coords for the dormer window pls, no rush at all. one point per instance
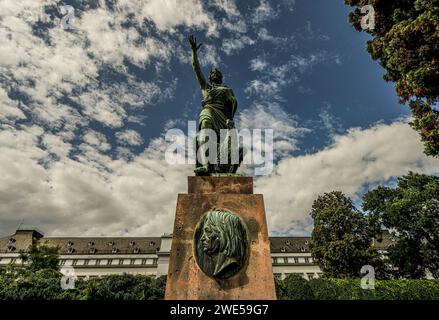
(11, 240)
(283, 249)
(151, 243)
(91, 243)
(70, 250)
(111, 243)
(114, 250)
(11, 248)
(70, 243)
(132, 243)
(288, 243)
(92, 250)
(137, 250)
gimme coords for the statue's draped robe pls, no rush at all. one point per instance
(219, 105)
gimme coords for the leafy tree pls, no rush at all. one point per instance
(411, 211)
(342, 237)
(406, 43)
(40, 257)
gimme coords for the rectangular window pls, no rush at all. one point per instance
(306, 260)
(143, 261)
(285, 260)
(132, 261)
(120, 261)
(296, 260)
(109, 261)
(274, 260)
(98, 262)
(75, 262)
(138, 261)
(86, 262)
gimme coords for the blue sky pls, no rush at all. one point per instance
(83, 113)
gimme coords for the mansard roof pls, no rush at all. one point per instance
(144, 245)
(289, 244)
(22, 239)
(105, 245)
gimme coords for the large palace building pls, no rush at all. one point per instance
(94, 257)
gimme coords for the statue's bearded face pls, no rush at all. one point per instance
(216, 76)
(210, 241)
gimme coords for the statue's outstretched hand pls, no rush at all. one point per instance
(193, 41)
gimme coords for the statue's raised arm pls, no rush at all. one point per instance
(195, 63)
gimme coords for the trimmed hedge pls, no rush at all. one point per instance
(45, 285)
(122, 287)
(296, 288)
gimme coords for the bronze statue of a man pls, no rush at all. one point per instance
(218, 109)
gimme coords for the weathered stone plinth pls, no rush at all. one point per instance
(186, 280)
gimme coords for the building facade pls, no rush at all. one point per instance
(99, 256)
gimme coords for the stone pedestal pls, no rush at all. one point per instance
(254, 279)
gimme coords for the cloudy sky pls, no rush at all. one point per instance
(84, 112)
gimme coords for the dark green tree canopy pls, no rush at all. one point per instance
(406, 43)
(411, 212)
(40, 256)
(342, 236)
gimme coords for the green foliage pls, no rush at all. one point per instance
(341, 238)
(46, 285)
(37, 285)
(411, 211)
(350, 289)
(41, 256)
(406, 42)
(338, 289)
(294, 287)
(122, 287)
(426, 122)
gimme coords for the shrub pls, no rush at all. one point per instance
(294, 287)
(19, 284)
(121, 287)
(39, 285)
(343, 289)
(46, 285)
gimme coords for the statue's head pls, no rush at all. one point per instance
(224, 233)
(216, 76)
